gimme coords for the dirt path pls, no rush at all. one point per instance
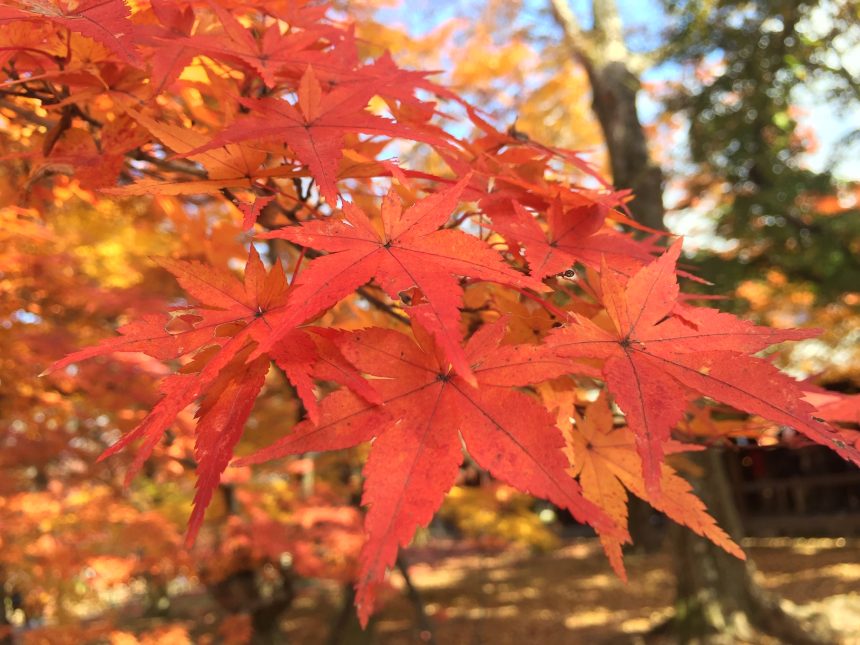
(572, 596)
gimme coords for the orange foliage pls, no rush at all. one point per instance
(256, 139)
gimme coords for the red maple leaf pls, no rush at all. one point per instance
(417, 432)
(342, 68)
(105, 21)
(171, 52)
(315, 126)
(266, 54)
(223, 331)
(657, 353)
(833, 406)
(574, 235)
(410, 251)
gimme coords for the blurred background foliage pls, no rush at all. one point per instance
(752, 111)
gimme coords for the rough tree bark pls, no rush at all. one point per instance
(241, 593)
(716, 593)
(6, 635)
(718, 596)
(613, 72)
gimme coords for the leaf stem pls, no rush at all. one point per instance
(555, 311)
(298, 265)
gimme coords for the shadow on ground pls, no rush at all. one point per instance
(571, 595)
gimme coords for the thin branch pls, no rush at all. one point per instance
(170, 166)
(566, 19)
(425, 625)
(382, 305)
(26, 114)
(137, 154)
(546, 304)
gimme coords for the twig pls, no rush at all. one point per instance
(382, 305)
(25, 113)
(555, 311)
(425, 624)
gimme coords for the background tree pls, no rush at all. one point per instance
(746, 139)
(749, 138)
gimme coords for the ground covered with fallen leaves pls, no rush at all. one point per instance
(570, 595)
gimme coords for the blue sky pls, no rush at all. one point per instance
(644, 20)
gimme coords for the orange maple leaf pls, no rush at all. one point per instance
(605, 459)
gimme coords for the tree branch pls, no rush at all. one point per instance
(26, 114)
(605, 42)
(574, 36)
(424, 622)
(164, 164)
(608, 28)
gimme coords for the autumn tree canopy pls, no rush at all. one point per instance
(347, 233)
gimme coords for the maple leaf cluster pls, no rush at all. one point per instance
(466, 293)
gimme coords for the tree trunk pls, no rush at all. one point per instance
(611, 70)
(718, 598)
(239, 593)
(717, 594)
(614, 89)
(346, 630)
(6, 637)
